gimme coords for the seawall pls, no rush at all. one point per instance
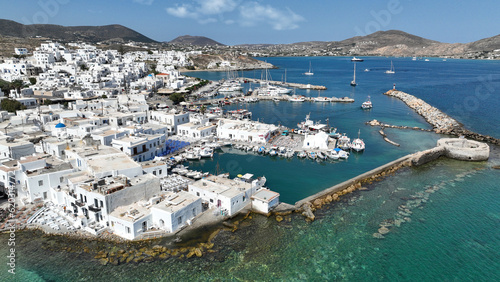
(455, 148)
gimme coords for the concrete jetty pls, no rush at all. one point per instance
(286, 84)
(454, 148)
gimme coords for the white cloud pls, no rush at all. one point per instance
(144, 2)
(253, 13)
(235, 11)
(183, 11)
(213, 7)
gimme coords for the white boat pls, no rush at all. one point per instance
(426, 60)
(332, 154)
(391, 70)
(357, 144)
(354, 59)
(206, 152)
(296, 98)
(310, 72)
(414, 58)
(353, 82)
(367, 104)
(343, 142)
(321, 155)
(302, 154)
(320, 99)
(367, 70)
(273, 152)
(343, 154)
(192, 155)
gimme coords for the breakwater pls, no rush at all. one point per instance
(441, 122)
(455, 148)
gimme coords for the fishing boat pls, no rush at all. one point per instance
(343, 142)
(321, 99)
(206, 152)
(354, 59)
(332, 154)
(343, 154)
(357, 144)
(391, 71)
(302, 154)
(296, 98)
(353, 82)
(312, 155)
(192, 155)
(321, 155)
(310, 72)
(367, 104)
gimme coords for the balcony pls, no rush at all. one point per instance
(92, 208)
(79, 203)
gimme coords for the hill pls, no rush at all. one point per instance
(91, 34)
(195, 40)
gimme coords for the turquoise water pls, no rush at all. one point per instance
(453, 235)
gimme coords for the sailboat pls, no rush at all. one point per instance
(310, 70)
(353, 82)
(391, 70)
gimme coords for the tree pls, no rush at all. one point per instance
(32, 80)
(104, 96)
(203, 109)
(177, 98)
(17, 84)
(47, 102)
(11, 105)
(84, 67)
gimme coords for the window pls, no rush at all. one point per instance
(198, 194)
(127, 229)
(179, 220)
(40, 182)
(102, 204)
(194, 212)
(211, 201)
(61, 179)
(154, 172)
(160, 172)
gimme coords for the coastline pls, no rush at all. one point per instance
(306, 206)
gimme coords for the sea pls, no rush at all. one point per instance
(449, 229)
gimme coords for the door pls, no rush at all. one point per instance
(219, 203)
(144, 226)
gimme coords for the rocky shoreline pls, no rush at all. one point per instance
(441, 122)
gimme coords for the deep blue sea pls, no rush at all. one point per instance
(453, 235)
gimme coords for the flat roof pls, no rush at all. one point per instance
(176, 201)
(265, 195)
(132, 212)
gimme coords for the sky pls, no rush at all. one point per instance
(235, 22)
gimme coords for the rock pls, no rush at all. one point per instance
(198, 252)
(163, 256)
(279, 218)
(335, 197)
(328, 199)
(383, 230)
(129, 258)
(378, 236)
(103, 261)
(496, 167)
(190, 254)
(318, 203)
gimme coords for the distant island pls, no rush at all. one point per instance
(380, 43)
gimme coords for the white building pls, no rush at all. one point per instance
(141, 147)
(316, 141)
(265, 200)
(228, 195)
(247, 131)
(21, 51)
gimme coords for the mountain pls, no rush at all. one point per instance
(195, 40)
(91, 34)
(382, 43)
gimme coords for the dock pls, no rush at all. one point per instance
(285, 84)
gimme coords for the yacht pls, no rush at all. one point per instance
(320, 99)
(354, 59)
(367, 104)
(391, 70)
(310, 72)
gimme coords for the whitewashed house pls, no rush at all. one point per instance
(247, 131)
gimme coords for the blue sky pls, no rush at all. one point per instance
(276, 21)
